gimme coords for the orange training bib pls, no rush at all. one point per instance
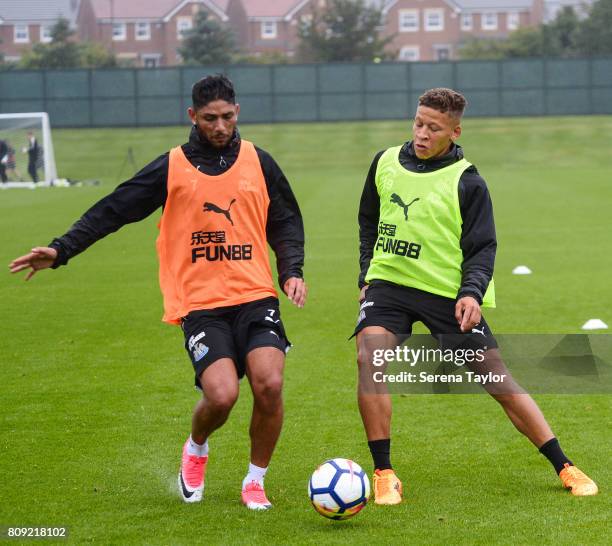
(212, 245)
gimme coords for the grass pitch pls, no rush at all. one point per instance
(97, 392)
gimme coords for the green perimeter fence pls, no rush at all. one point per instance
(317, 92)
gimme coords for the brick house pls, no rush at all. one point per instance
(143, 32)
(263, 26)
(433, 30)
(24, 23)
(425, 30)
(148, 32)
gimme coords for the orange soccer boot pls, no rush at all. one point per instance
(387, 487)
(577, 481)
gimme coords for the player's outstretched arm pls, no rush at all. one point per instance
(296, 290)
(41, 257)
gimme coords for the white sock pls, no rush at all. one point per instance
(197, 449)
(256, 473)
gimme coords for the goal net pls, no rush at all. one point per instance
(26, 150)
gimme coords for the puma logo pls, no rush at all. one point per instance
(396, 199)
(211, 207)
(477, 331)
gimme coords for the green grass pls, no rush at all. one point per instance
(96, 391)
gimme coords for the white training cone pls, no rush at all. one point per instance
(521, 270)
(594, 324)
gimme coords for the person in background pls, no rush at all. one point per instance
(32, 150)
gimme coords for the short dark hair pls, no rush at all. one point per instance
(211, 88)
(444, 100)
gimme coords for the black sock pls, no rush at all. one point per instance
(553, 452)
(381, 453)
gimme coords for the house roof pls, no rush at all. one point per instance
(494, 5)
(266, 9)
(478, 5)
(38, 11)
(149, 9)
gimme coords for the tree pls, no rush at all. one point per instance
(559, 38)
(481, 48)
(345, 30)
(64, 52)
(525, 42)
(595, 36)
(97, 56)
(207, 42)
(271, 57)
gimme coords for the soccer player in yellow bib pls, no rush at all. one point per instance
(427, 250)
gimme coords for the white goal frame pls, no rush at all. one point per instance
(47, 143)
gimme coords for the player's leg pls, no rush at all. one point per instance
(526, 416)
(209, 343)
(373, 398)
(376, 410)
(32, 171)
(437, 313)
(219, 383)
(520, 408)
(265, 372)
(382, 317)
(261, 341)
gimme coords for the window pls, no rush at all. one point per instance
(442, 53)
(410, 53)
(142, 31)
(45, 34)
(513, 20)
(152, 60)
(21, 34)
(488, 21)
(268, 30)
(466, 21)
(119, 32)
(408, 20)
(434, 19)
(183, 24)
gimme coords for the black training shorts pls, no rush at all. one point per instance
(397, 308)
(232, 332)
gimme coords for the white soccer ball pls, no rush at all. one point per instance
(339, 489)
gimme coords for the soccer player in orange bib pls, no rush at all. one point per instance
(224, 200)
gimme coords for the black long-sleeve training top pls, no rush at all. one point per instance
(478, 240)
(147, 190)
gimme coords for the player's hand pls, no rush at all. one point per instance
(467, 313)
(296, 290)
(41, 257)
(362, 293)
